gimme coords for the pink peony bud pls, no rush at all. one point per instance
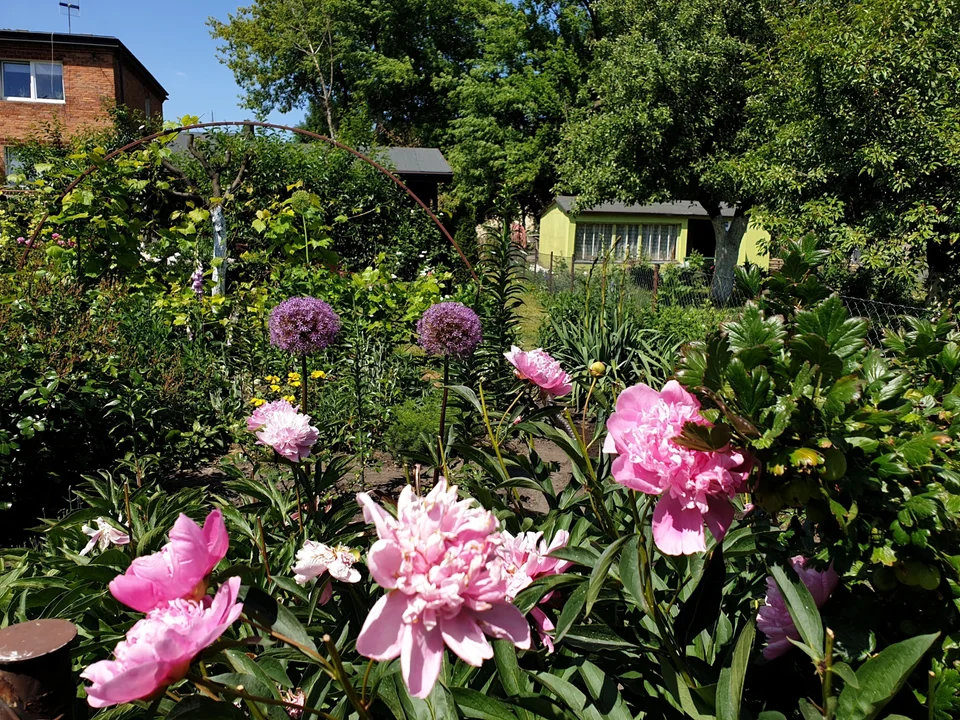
(540, 369)
(694, 486)
(179, 570)
(445, 582)
(774, 618)
(158, 650)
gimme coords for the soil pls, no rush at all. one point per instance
(384, 477)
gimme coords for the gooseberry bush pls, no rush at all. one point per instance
(771, 534)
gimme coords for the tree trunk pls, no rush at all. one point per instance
(726, 253)
(219, 249)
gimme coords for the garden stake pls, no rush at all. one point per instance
(931, 689)
(263, 548)
(443, 414)
(300, 508)
(573, 271)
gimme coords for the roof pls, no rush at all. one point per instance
(417, 161)
(76, 39)
(405, 161)
(685, 208)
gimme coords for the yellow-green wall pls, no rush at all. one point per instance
(558, 234)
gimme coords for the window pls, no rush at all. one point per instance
(654, 243)
(36, 81)
(660, 242)
(592, 240)
(148, 107)
(12, 164)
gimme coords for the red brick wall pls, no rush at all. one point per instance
(91, 83)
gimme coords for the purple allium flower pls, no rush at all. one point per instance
(303, 325)
(196, 281)
(450, 328)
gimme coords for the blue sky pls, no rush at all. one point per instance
(170, 37)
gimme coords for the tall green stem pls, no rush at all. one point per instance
(443, 417)
(344, 680)
(304, 374)
(306, 240)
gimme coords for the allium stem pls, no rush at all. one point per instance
(443, 415)
(304, 374)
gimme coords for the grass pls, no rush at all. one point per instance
(532, 315)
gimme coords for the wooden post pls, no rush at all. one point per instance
(36, 680)
(656, 284)
(573, 271)
(550, 274)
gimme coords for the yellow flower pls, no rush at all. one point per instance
(293, 376)
(294, 383)
(275, 388)
(318, 375)
(272, 379)
(289, 398)
(257, 402)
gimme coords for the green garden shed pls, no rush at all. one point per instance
(656, 233)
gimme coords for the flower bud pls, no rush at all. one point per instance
(598, 369)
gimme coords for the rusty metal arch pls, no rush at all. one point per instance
(251, 124)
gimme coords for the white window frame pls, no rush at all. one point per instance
(654, 242)
(33, 82)
(9, 152)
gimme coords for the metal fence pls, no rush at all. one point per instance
(656, 285)
(676, 285)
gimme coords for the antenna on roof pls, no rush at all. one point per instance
(68, 10)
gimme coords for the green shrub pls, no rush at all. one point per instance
(414, 424)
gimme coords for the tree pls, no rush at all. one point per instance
(382, 68)
(664, 109)
(513, 101)
(856, 113)
(222, 193)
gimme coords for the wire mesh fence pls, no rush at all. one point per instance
(655, 285)
(659, 286)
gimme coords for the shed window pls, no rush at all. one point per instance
(651, 242)
(38, 81)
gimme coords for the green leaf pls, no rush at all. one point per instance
(771, 715)
(630, 573)
(831, 321)
(701, 609)
(604, 693)
(281, 622)
(733, 674)
(842, 392)
(197, 707)
(803, 610)
(505, 657)
(569, 694)
(881, 677)
(808, 711)
(570, 613)
(580, 555)
(474, 704)
(599, 574)
(846, 672)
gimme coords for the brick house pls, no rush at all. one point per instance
(72, 79)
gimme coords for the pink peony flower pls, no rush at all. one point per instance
(286, 430)
(158, 650)
(261, 416)
(179, 570)
(104, 535)
(774, 618)
(445, 582)
(526, 558)
(540, 369)
(694, 486)
(314, 559)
